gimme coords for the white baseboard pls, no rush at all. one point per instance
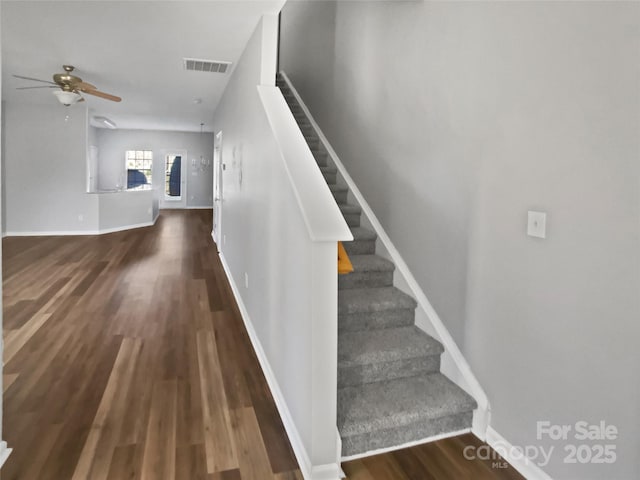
(127, 227)
(59, 233)
(527, 468)
(309, 472)
(53, 233)
(422, 441)
(4, 452)
(326, 472)
(189, 207)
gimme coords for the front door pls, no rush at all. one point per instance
(175, 181)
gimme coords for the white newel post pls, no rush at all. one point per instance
(324, 358)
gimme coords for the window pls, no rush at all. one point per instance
(139, 166)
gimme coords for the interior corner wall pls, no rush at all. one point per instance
(3, 186)
(2, 222)
(112, 145)
(45, 169)
(92, 136)
(456, 118)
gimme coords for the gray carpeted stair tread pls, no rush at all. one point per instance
(338, 188)
(364, 242)
(360, 233)
(371, 263)
(321, 157)
(369, 271)
(388, 345)
(373, 300)
(328, 169)
(346, 208)
(400, 402)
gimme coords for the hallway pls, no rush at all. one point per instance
(113, 353)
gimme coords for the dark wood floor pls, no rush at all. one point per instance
(126, 358)
(441, 460)
(113, 349)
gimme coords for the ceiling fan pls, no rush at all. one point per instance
(69, 87)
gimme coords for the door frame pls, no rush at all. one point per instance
(168, 202)
(216, 231)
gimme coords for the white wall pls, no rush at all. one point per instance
(4, 450)
(118, 210)
(92, 136)
(268, 238)
(2, 170)
(45, 168)
(454, 119)
(113, 144)
(2, 218)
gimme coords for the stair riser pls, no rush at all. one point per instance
(416, 431)
(365, 279)
(379, 372)
(360, 247)
(341, 197)
(353, 322)
(321, 158)
(352, 219)
(330, 177)
(312, 142)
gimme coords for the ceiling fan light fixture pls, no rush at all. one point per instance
(67, 98)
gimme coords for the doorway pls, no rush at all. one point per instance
(175, 180)
(218, 167)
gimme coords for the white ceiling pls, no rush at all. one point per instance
(133, 49)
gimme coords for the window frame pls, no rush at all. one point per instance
(145, 157)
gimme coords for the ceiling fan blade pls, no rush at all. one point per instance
(85, 85)
(43, 86)
(100, 94)
(34, 79)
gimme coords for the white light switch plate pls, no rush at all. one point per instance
(537, 224)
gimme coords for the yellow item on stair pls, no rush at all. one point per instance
(344, 264)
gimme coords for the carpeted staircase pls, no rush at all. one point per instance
(390, 389)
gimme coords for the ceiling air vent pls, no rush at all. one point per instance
(212, 66)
